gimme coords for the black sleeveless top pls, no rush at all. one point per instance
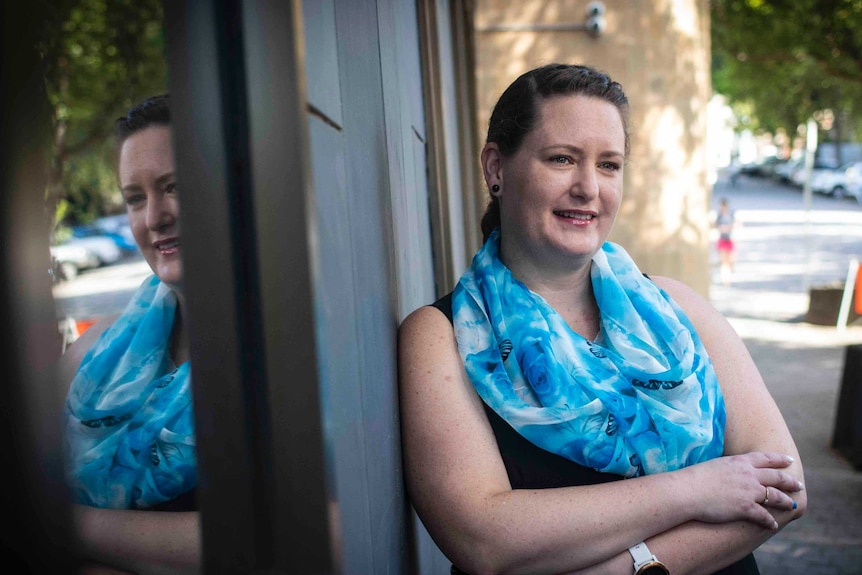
(184, 502)
(531, 467)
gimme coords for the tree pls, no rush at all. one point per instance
(789, 59)
(102, 56)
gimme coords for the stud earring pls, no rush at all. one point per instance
(495, 188)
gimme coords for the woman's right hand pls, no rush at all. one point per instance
(743, 487)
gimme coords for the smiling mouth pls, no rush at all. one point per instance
(578, 216)
(167, 247)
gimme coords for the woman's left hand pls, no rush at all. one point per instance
(743, 488)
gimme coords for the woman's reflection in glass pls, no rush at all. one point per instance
(129, 426)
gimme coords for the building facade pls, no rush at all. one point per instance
(659, 51)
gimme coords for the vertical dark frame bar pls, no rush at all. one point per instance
(227, 477)
(283, 208)
(240, 137)
(36, 534)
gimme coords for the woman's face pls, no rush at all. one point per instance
(560, 192)
(148, 187)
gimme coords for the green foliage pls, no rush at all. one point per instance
(787, 59)
(91, 186)
(102, 57)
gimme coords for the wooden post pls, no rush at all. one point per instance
(847, 437)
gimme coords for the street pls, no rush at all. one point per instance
(779, 256)
(101, 291)
(782, 250)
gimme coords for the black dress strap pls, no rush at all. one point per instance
(184, 502)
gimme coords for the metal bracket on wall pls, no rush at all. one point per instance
(594, 24)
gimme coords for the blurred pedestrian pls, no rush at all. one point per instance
(725, 222)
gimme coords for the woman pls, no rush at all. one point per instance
(129, 421)
(568, 370)
(725, 221)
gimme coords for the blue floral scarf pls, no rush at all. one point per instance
(641, 399)
(129, 421)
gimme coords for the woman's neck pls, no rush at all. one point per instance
(570, 294)
(576, 303)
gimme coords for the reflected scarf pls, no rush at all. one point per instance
(642, 399)
(129, 422)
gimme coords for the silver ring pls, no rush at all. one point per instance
(766, 499)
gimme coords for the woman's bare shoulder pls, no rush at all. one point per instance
(676, 288)
(696, 306)
(426, 335)
(425, 317)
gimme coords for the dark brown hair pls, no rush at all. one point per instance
(154, 111)
(517, 110)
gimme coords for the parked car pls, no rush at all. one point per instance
(749, 169)
(105, 249)
(784, 172)
(797, 178)
(70, 259)
(853, 178)
(114, 227)
(77, 254)
(767, 170)
(831, 182)
(763, 168)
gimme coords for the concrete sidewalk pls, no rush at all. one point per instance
(782, 251)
